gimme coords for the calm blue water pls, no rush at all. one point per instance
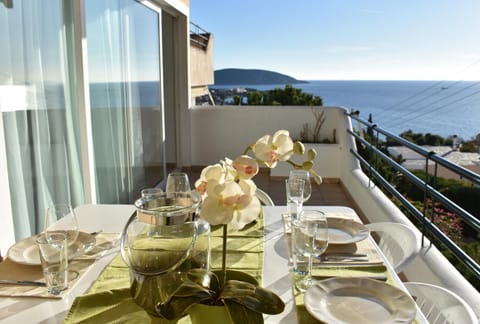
(443, 108)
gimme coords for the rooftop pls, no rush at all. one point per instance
(414, 161)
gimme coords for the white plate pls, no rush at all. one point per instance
(345, 231)
(358, 300)
(26, 250)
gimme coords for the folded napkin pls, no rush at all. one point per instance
(287, 220)
(105, 243)
(15, 271)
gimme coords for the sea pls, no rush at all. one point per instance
(444, 108)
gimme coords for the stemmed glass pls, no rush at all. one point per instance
(178, 187)
(61, 218)
(177, 182)
(307, 189)
(311, 240)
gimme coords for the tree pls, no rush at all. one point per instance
(289, 96)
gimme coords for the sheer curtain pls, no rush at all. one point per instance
(40, 126)
(41, 115)
(125, 91)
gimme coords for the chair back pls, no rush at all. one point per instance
(440, 305)
(399, 243)
(264, 198)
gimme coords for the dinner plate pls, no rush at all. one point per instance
(345, 231)
(26, 250)
(358, 300)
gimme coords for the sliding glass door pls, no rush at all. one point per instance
(124, 72)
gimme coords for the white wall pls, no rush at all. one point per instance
(225, 131)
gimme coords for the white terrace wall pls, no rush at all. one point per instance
(225, 131)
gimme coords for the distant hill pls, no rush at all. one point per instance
(250, 76)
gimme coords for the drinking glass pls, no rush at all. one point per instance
(61, 218)
(305, 175)
(294, 190)
(177, 182)
(151, 192)
(311, 240)
(54, 259)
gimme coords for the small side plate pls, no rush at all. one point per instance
(345, 231)
(26, 250)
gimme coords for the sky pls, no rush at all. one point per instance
(346, 39)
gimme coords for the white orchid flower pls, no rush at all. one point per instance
(246, 167)
(211, 172)
(230, 203)
(228, 189)
(271, 149)
(230, 172)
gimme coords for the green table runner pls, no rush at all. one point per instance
(109, 299)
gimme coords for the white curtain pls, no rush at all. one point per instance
(123, 56)
(40, 114)
(39, 122)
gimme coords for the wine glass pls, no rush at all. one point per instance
(305, 175)
(177, 182)
(311, 240)
(178, 188)
(61, 218)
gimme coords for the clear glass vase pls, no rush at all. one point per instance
(160, 243)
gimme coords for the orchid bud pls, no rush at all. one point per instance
(307, 165)
(311, 154)
(298, 148)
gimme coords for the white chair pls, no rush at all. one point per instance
(399, 243)
(264, 198)
(440, 305)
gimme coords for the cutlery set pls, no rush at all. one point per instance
(344, 257)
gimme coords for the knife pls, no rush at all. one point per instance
(344, 254)
(23, 282)
(343, 257)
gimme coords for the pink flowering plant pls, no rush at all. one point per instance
(449, 223)
(229, 199)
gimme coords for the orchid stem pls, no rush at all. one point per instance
(224, 256)
(248, 148)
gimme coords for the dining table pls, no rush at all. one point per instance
(110, 219)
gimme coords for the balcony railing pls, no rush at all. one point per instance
(198, 36)
(426, 221)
